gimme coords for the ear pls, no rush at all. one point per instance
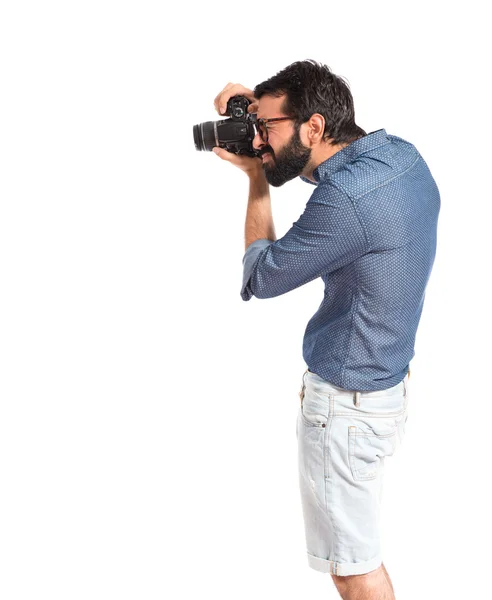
(315, 128)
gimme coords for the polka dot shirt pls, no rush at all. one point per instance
(369, 230)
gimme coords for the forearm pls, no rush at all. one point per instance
(259, 219)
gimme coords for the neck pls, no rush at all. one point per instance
(320, 154)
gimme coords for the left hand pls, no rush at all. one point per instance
(250, 165)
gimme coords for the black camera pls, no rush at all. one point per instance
(235, 134)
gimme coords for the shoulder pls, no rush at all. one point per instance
(327, 192)
(376, 168)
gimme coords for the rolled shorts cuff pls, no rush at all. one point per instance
(339, 568)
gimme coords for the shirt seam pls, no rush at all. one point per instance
(385, 182)
(342, 189)
(352, 316)
(338, 186)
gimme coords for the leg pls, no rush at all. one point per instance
(388, 578)
(370, 586)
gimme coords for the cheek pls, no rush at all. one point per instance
(272, 143)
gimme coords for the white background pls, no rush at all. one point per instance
(147, 413)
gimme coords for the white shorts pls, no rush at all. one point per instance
(343, 438)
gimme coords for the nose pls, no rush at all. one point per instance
(258, 142)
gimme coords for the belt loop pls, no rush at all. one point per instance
(304, 379)
(357, 399)
(303, 387)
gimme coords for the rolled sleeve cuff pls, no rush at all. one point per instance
(249, 260)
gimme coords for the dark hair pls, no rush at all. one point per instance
(311, 88)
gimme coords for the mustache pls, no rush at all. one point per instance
(266, 150)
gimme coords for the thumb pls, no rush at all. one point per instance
(222, 152)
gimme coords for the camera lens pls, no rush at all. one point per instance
(204, 135)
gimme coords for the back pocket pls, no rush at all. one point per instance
(368, 445)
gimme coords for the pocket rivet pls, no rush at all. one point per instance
(323, 425)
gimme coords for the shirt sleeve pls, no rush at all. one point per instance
(328, 235)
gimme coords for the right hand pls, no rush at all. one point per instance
(234, 89)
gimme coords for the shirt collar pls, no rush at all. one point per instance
(348, 154)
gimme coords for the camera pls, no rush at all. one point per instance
(235, 134)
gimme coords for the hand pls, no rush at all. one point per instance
(250, 165)
(234, 89)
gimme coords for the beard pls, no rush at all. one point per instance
(289, 163)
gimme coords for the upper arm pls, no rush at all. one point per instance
(327, 236)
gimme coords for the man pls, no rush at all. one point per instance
(369, 231)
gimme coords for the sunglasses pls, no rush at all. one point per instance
(261, 125)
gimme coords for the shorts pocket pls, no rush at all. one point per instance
(313, 437)
(368, 445)
(314, 409)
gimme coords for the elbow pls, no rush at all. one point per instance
(263, 295)
(248, 292)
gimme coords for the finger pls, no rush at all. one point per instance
(217, 98)
(228, 156)
(236, 89)
(223, 154)
(253, 107)
(216, 101)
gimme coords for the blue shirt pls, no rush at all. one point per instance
(369, 230)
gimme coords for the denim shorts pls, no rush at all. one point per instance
(343, 438)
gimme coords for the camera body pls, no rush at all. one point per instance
(235, 134)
